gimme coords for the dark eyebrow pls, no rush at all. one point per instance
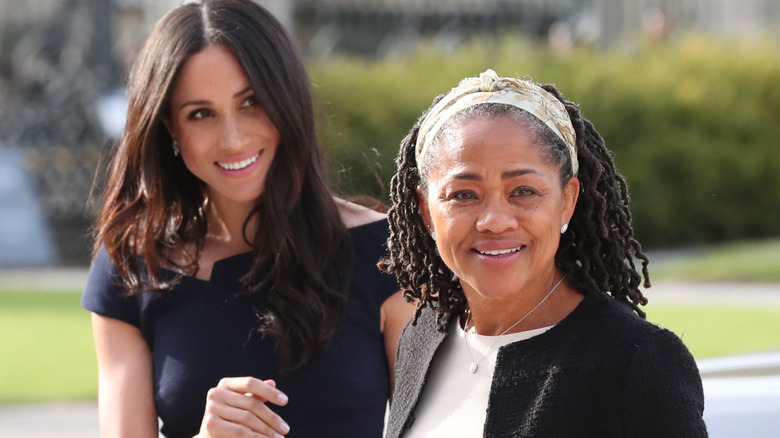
(194, 103)
(206, 102)
(468, 177)
(515, 173)
(244, 91)
(506, 175)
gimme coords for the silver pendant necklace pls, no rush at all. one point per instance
(474, 365)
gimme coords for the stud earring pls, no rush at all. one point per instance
(433, 235)
(564, 228)
(176, 149)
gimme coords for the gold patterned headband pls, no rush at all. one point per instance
(489, 88)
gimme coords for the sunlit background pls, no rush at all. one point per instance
(661, 79)
(685, 92)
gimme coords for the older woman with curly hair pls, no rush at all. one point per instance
(511, 230)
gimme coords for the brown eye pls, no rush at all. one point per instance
(249, 101)
(199, 114)
(463, 195)
(524, 192)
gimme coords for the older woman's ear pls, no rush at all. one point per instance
(571, 192)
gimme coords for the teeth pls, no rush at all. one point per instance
(500, 251)
(239, 165)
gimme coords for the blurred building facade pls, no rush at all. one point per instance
(62, 62)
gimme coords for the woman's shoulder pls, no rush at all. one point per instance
(615, 323)
(354, 215)
(600, 320)
(105, 293)
(610, 312)
(102, 269)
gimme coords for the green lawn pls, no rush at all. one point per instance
(46, 351)
(718, 330)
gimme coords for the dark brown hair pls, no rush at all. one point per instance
(153, 204)
(597, 252)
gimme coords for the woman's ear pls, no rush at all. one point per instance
(571, 192)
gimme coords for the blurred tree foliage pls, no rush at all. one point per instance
(693, 125)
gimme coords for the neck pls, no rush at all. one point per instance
(540, 306)
(226, 227)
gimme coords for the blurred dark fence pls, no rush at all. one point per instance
(381, 28)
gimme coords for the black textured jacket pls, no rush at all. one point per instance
(601, 372)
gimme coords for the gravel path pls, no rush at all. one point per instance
(50, 420)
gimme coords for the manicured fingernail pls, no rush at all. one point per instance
(276, 435)
(282, 398)
(285, 427)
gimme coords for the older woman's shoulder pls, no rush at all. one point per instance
(605, 333)
(602, 319)
(614, 322)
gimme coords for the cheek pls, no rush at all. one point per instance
(192, 144)
(439, 216)
(451, 224)
(544, 228)
(192, 154)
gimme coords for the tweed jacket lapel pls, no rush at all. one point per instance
(416, 350)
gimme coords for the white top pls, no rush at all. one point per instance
(454, 402)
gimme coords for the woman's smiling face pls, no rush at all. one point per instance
(497, 206)
(226, 138)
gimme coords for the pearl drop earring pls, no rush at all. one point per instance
(564, 228)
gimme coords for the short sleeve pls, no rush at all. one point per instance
(105, 295)
(664, 395)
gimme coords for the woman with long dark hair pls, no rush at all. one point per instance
(232, 294)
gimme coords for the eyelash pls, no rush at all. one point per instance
(460, 195)
(252, 99)
(527, 191)
(202, 113)
(198, 114)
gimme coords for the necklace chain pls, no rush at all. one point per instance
(474, 365)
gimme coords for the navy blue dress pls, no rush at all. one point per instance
(202, 331)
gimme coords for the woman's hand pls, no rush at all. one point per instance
(236, 407)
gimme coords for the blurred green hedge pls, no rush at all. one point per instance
(693, 124)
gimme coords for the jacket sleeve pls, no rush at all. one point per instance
(664, 395)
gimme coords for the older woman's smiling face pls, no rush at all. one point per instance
(497, 207)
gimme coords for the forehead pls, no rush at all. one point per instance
(485, 143)
(212, 68)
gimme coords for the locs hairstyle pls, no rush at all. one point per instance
(153, 204)
(597, 252)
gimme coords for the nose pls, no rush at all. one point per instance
(234, 136)
(497, 216)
